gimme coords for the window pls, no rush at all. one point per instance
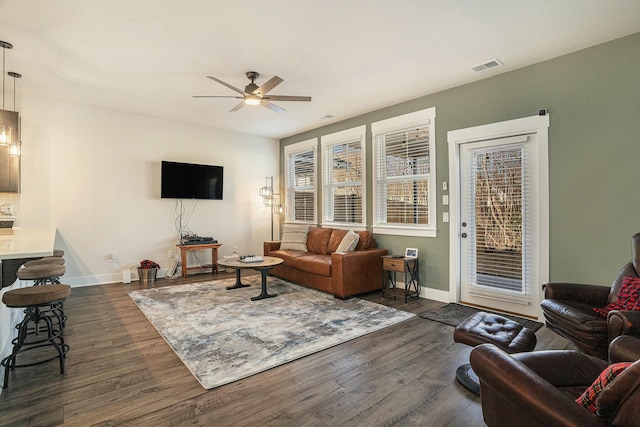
(300, 175)
(343, 177)
(404, 162)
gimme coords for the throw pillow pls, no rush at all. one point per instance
(618, 392)
(590, 396)
(349, 242)
(628, 297)
(294, 237)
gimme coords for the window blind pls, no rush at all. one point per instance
(301, 186)
(403, 174)
(499, 204)
(343, 182)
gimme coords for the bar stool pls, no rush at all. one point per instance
(45, 261)
(41, 274)
(30, 333)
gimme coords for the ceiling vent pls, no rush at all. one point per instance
(494, 63)
(327, 117)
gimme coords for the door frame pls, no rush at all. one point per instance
(455, 138)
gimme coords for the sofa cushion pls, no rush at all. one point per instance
(294, 237)
(315, 264)
(349, 242)
(288, 256)
(318, 240)
(336, 238)
(366, 240)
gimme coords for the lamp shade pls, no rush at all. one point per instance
(269, 200)
(8, 127)
(15, 148)
(6, 133)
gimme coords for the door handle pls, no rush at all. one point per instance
(463, 235)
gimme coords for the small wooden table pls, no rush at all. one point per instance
(409, 266)
(267, 264)
(184, 249)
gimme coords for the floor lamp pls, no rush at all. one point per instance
(270, 199)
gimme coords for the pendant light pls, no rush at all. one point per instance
(6, 129)
(16, 142)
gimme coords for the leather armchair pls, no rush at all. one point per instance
(568, 310)
(540, 388)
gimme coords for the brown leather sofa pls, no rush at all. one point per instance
(322, 268)
(568, 310)
(540, 388)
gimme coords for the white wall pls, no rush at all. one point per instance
(94, 174)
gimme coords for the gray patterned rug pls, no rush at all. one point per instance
(222, 336)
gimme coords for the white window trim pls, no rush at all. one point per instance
(417, 118)
(327, 142)
(292, 149)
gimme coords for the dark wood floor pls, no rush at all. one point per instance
(121, 372)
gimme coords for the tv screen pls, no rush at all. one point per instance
(191, 181)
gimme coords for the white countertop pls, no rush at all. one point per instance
(26, 242)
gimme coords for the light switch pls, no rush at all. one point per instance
(445, 216)
(445, 199)
(445, 187)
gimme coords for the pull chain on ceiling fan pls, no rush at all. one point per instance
(256, 95)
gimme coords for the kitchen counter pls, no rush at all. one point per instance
(18, 245)
(26, 242)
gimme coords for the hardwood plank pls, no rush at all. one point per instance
(121, 372)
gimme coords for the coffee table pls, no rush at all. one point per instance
(263, 266)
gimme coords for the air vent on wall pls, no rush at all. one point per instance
(494, 63)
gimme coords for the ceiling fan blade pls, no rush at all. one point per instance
(216, 96)
(237, 107)
(287, 98)
(227, 85)
(272, 107)
(269, 85)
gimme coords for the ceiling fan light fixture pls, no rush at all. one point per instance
(252, 100)
(256, 95)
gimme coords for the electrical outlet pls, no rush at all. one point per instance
(110, 257)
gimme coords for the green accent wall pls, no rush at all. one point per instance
(593, 97)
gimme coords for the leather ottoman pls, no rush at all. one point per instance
(481, 328)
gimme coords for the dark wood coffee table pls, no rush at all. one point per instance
(263, 266)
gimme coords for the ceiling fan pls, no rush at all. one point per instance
(254, 95)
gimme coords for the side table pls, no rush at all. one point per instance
(410, 267)
(184, 249)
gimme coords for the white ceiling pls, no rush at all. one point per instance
(352, 56)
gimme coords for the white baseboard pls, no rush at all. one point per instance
(102, 279)
(434, 294)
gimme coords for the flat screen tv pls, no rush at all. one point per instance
(191, 181)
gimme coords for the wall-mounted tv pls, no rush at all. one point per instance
(191, 181)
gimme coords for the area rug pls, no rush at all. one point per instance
(222, 336)
(453, 314)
